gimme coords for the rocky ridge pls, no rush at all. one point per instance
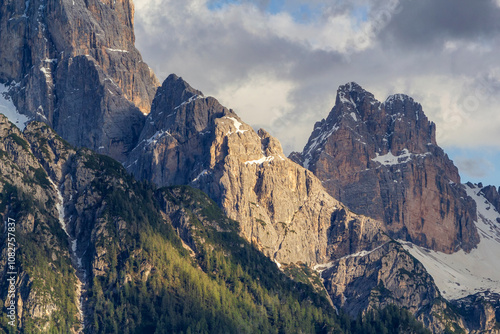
(282, 207)
(80, 213)
(492, 195)
(89, 83)
(29, 197)
(382, 160)
(388, 276)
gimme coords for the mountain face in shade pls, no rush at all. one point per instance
(73, 65)
(382, 160)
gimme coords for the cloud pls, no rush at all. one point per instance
(279, 66)
(424, 23)
(265, 95)
(476, 168)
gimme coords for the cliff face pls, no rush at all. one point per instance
(492, 195)
(73, 65)
(28, 197)
(99, 229)
(282, 207)
(382, 160)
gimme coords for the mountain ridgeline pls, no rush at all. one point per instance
(202, 224)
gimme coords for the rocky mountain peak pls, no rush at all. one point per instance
(492, 195)
(410, 127)
(270, 145)
(353, 100)
(382, 160)
(173, 92)
(353, 90)
(282, 208)
(394, 98)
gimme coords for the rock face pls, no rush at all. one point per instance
(492, 195)
(481, 312)
(282, 207)
(382, 160)
(73, 65)
(388, 275)
(78, 211)
(28, 197)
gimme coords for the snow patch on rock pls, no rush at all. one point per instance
(390, 159)
(8, 108)
(461, 274)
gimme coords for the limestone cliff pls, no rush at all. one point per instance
(282, 207)
(79, 212)
(382, 160)
(73, 65)
(481, 312)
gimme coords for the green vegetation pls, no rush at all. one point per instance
(47, 268)
(390, 320)
(19, 141)
(228, 287)
(41, 177)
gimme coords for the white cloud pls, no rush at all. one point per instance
(260, 100)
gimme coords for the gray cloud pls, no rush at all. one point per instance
(476, 168)
(424, 23)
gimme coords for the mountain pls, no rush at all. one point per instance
(73, 65)
(282, 208)
(190, 221)
(382, 160)
(98, 251)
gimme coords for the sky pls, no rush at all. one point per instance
(278, 63)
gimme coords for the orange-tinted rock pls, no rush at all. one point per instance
(282, 207)
(382, 160)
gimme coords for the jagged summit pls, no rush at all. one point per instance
(352, 97)
(398, 97)
(382, 160)
(172, 143)
(175, 90)
(73, 65)
(351, 87)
